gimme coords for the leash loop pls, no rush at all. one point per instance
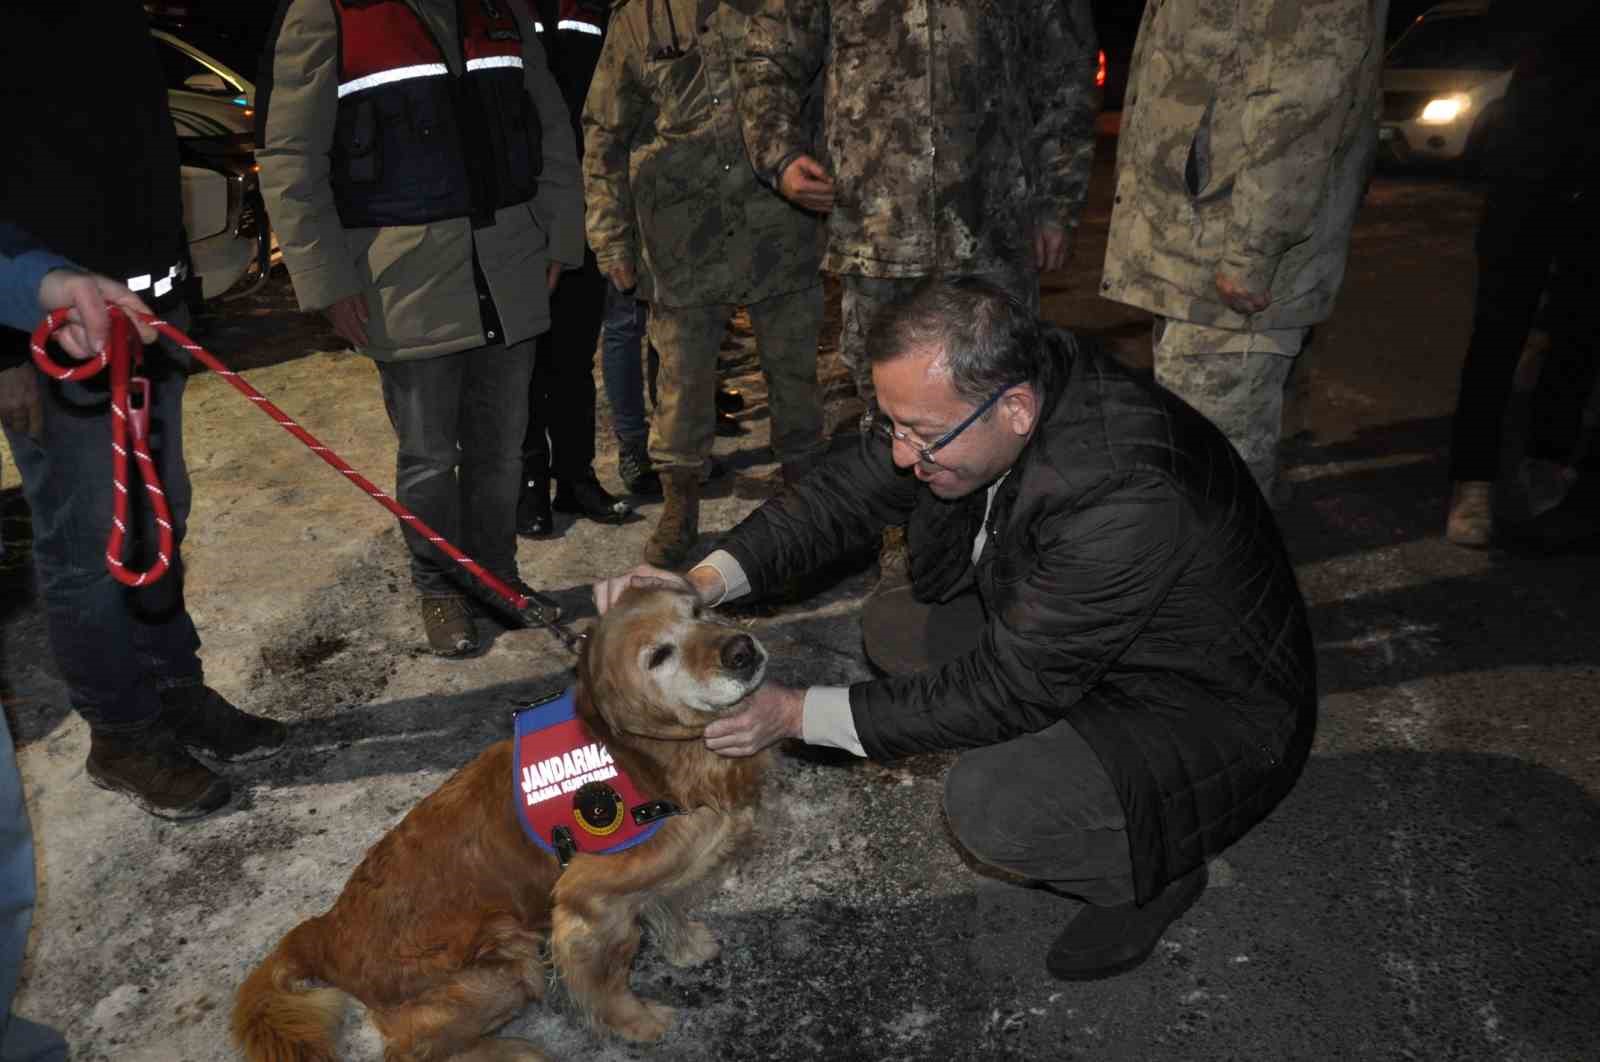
(120, 360)
(122, 355)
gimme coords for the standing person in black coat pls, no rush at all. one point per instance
(95, 177)
(1101, 612)
(560, 440)
(1536, 241)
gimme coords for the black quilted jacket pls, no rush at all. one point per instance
(1136, 585)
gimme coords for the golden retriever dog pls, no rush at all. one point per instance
(456, 920)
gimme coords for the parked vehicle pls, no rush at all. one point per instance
(1443, 81)
(213, 109)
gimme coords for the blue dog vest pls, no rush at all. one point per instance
(569, 793)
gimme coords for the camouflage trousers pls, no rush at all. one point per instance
(863, 298)
(1237, 380)
(688, 338)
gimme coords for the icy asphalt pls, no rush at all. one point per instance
(1428, 891)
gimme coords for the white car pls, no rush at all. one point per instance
(213, 109)
(1442, 84)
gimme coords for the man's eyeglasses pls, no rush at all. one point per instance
(882, 425)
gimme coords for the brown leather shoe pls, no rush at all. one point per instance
(675, 531)
(447, 618)
(153, 770)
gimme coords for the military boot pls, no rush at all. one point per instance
(151, 768)
(675, 532)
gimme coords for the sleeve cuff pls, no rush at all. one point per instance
(319, 287)
(826, 719)
(734, 581)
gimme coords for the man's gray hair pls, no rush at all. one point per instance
(983, 337)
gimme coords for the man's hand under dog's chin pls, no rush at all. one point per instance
(771, 714)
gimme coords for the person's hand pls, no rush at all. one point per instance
(349, 318)
(805, 183)
(552, 275)
(771, 714)
(1239, 298)
(84, 296)
(622, 276)
(20, 406)
(1050, 246)
(606, 591)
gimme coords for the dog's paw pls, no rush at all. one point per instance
(647, 1023)
(693, 945)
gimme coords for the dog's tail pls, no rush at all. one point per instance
(278, 1016)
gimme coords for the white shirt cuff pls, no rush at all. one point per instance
(825, 719)
(734, 581)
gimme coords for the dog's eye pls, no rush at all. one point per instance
(662, 654)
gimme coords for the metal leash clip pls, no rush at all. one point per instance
(539, 610)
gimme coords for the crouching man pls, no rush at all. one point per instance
(1101, 612)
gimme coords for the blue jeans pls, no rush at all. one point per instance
(20, 1040)
(622, 364)
(114, 646)
(460, 420)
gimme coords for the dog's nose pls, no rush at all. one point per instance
(740, 654)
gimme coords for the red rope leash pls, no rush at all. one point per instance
(122, 359)
(123, 354)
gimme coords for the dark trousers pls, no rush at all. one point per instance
(459, 420)
(114, 646)
(623, 364)
(1041, 805)
(560, 436)
(1527, 229)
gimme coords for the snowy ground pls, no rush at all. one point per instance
(1428, 891)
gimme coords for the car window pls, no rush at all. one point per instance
(1453, 44)
(180, 67)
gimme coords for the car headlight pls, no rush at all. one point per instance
(1444, 110)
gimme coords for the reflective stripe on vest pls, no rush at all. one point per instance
(158, 286)
(389, 77)
(423, 136)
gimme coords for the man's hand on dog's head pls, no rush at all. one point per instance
(703, 581)
(771, 714)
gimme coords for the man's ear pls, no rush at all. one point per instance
(1019, 409)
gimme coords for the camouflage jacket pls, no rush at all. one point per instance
(666, 179)
(1247, 139)
(951, 129)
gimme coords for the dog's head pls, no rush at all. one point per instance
(658, 664)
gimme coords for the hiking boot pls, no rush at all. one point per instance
(153, 770)
(636, 471)
(205, 722)
(448, 620)
(675, 531)
(1471, 519)
(587, 498)
(1106, 941)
